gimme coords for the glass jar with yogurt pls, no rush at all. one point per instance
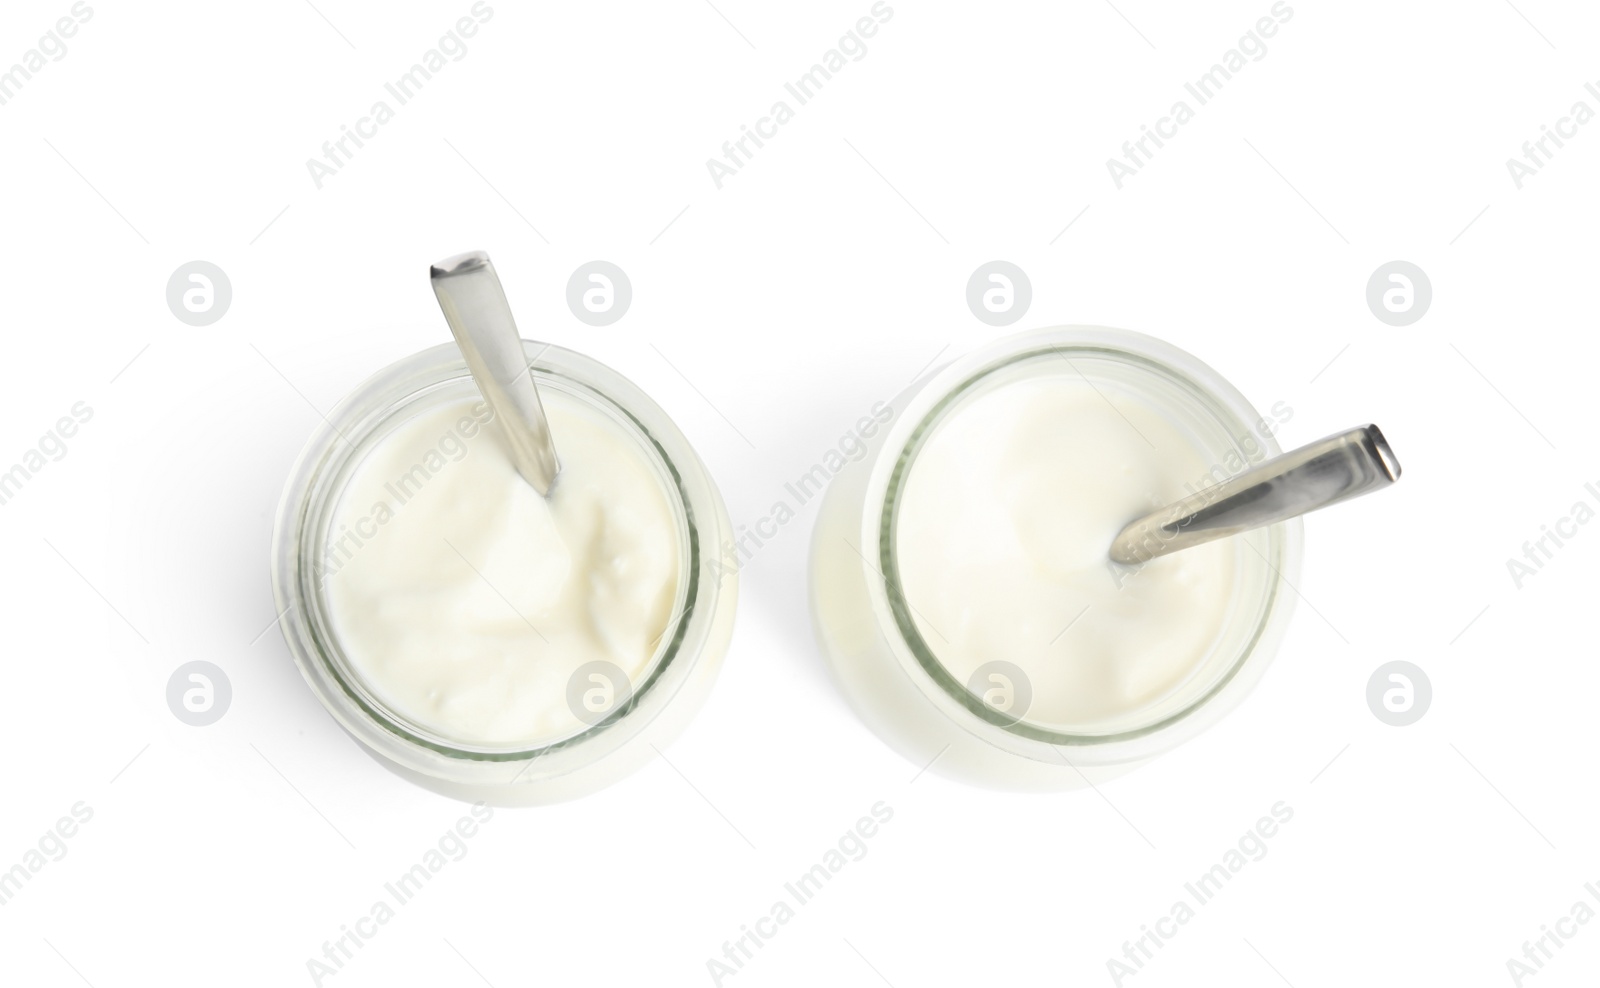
(477, 638)
(960, 584)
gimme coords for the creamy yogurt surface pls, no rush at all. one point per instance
(468, 603)
(1005, 520)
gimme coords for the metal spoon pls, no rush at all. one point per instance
(1326, 472)
(475, 306)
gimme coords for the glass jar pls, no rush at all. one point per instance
(651, 712)
(896, 681)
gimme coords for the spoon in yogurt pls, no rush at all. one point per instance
(1337, 468)
(475, 306)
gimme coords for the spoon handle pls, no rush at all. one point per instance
(475, 306)
(1326, 472)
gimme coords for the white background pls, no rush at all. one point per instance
(819, 280)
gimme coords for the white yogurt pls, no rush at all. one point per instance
(1005, 520)
(466, 602)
